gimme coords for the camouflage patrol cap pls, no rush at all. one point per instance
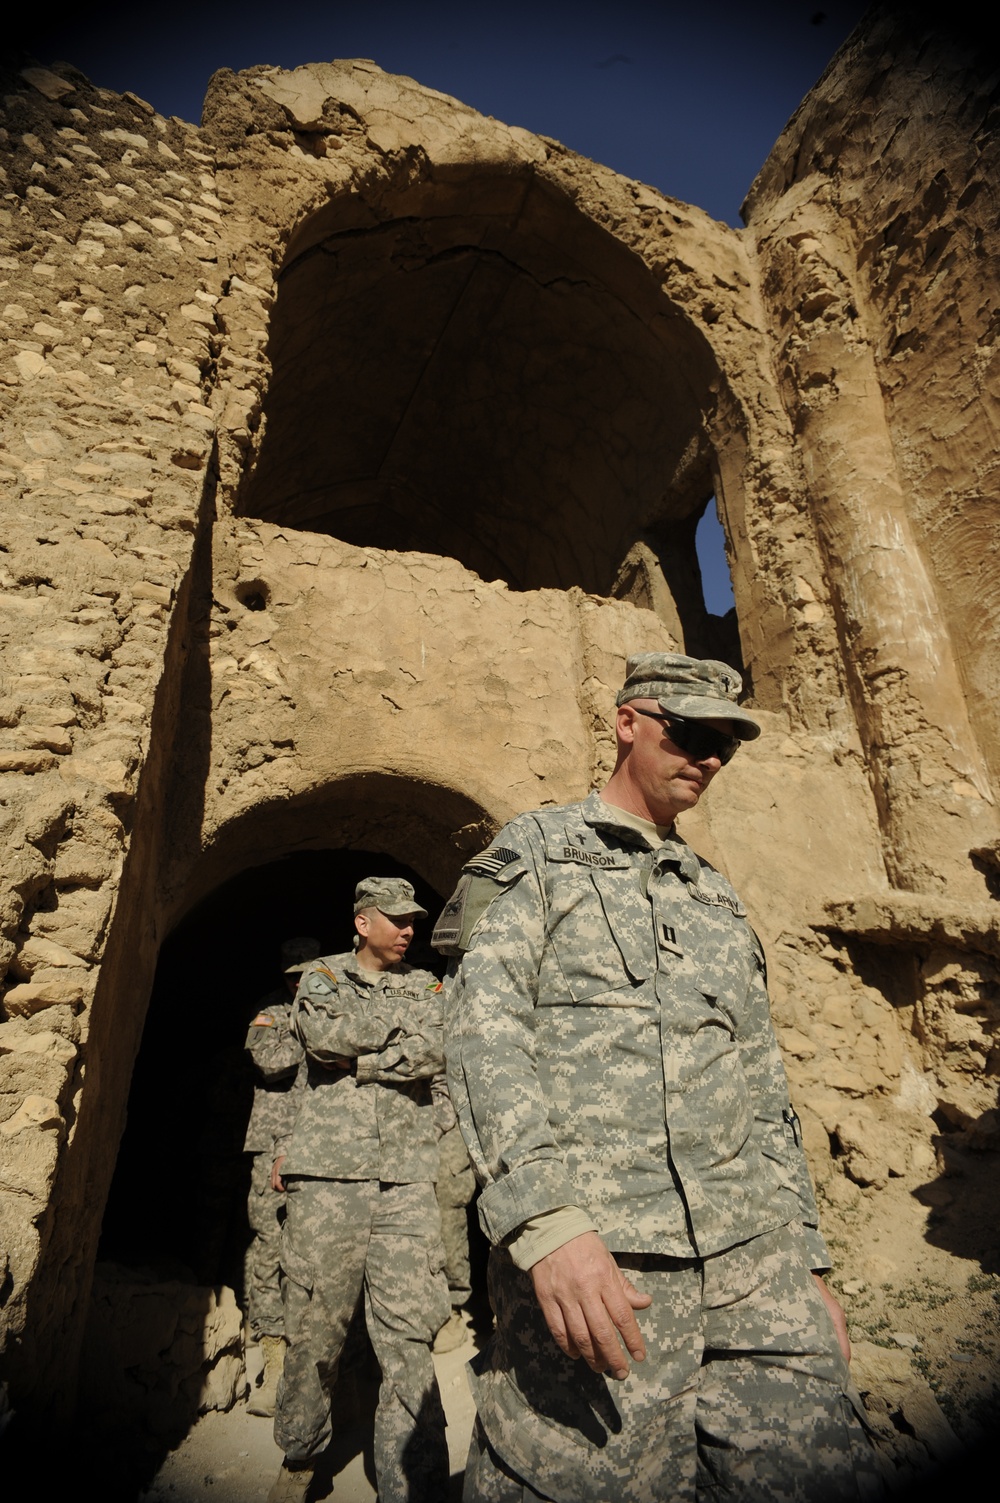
(390, 895)
(296, 953)
(697, 688)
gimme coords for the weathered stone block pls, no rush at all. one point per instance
(45, 991)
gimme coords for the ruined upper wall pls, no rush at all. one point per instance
(898, 144)
(334, 155)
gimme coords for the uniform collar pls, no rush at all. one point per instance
(602, 816)
(371, 978)
(672, 848)
(652, 833)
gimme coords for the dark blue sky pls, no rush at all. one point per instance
(689, 97)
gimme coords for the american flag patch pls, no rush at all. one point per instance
(492, 862)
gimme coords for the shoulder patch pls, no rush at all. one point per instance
(491, 863)
(262, 1020)
(465, 908)
(325, 970)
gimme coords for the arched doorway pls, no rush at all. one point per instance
(163, 1339)
(285, 867)
(177, 1201)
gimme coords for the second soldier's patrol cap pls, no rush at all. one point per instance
(390, 895)
(298, 952)
(695, 688)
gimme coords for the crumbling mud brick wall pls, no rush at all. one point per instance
(106, 463)
(352, 440)
(874, 225)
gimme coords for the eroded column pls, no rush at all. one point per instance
(928, 775)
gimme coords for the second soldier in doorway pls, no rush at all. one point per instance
(362, 1217)
(280, 1062)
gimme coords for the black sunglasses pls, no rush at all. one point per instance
(701, 741)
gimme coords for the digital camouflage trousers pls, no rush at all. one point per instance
(262, 1266)
(342, 1238)
(744, 1394)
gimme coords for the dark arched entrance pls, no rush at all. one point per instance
(163, 1339)
(178, 1198)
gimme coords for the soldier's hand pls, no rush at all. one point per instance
(589, 1304)
(277, 1183)
(837, 1316)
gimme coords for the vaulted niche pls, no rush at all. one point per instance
(488, 375)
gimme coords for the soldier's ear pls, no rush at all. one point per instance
(361, 924)
(625, 723)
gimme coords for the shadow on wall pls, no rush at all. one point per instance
(962, 1215)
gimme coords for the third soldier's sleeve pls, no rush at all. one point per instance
(271, 1045)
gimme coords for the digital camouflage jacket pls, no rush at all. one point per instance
(610, 1043)
(376, 1120)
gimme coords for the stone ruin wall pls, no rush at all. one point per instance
(195, 681)
(875, 221)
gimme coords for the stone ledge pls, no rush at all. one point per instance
(895, 918)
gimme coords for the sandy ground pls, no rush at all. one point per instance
(232, 1458)
(917, 1269)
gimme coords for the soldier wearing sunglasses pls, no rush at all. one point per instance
(617, 1079)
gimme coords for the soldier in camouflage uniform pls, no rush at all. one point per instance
(280, 1061)
(617, 1079)
(362, 1216)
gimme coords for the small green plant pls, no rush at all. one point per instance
(876, 1330)
(932, 1296)
(954, 1411)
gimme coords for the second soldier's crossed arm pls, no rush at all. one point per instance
(415, 1052)
(333, 1023)
(330, 1021)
